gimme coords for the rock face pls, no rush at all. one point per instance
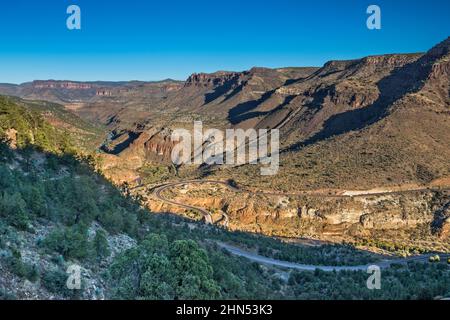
(11, 136)
(103, 93)
(378, 213)
(328, 218)
(159, 147)
(108, 92)
(211, 80)
(445, 231)
(441, 223)
(150, 145)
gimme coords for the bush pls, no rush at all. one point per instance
(435, 258)
(21, 269)
(111, 221)
(55, 281)
(159, 269)
(13, 209)
(71, 242)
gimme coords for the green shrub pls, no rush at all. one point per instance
(13, 209)
(21, 269)
(55, 281)
(71, 242)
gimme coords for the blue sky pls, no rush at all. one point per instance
(152, 40)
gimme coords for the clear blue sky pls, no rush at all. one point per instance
(151, 40)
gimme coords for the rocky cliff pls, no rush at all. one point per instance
(414, 216)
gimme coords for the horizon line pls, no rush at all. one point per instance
(162, 79)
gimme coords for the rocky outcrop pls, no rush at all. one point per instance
(11, 137)
(172, 87)
(445, 231)
(104, 93)
(159, 147)
(151, 145)
(211, 79)
(441, 222)
(348, 93)
(321, 217)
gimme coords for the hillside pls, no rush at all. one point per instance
(47, 125)
(58, 213)
(22, 127)
(383, 122)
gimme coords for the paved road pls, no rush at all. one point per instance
(157, 191)
(225, 219)
(383, 264)
(158, 194)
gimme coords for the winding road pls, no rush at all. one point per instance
(158, 190)
(158, 194)
(383, 264)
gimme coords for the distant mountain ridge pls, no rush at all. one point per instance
(67, 91)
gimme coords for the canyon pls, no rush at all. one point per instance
(347, 129)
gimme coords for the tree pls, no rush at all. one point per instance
(155, 283)
(111, 220)
(193, 274)
(5, 151)
(13, 208)
(71, 242)
(36, 201)
(52, 162)
(6, 178)
(100, 245)
(155, 243)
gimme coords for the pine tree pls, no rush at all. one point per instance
(101, 246)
